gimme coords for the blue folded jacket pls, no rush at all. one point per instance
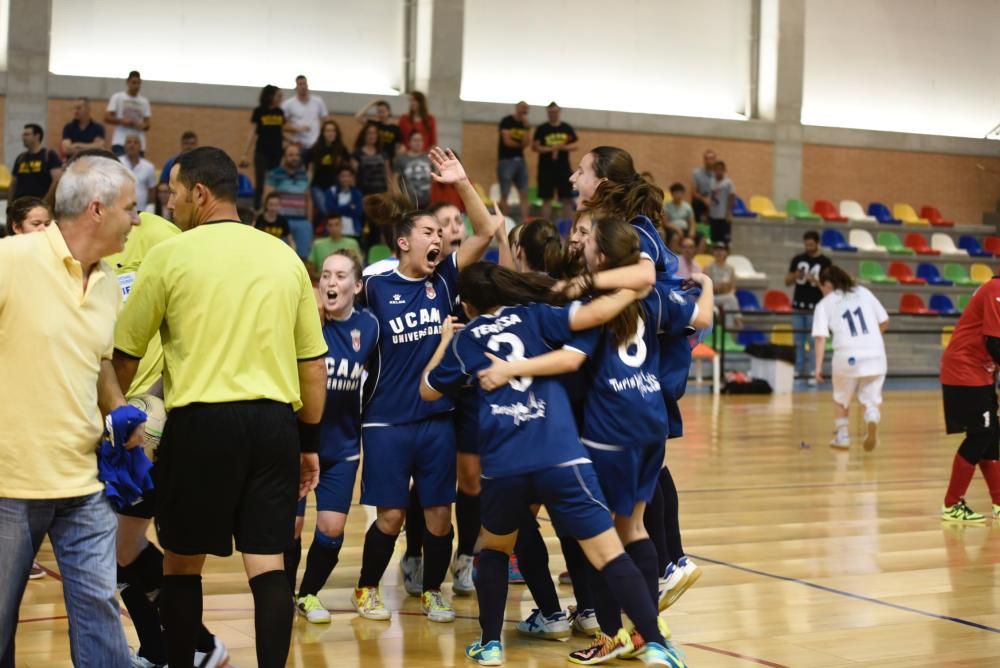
(125, 473)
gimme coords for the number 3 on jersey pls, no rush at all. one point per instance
(516, 353)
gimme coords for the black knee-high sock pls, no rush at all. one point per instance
(653, 520)
(293, 555)
(606, 606)
(437, 555)
(375, 556)
(144, 613)
(533, 560)
(467, 519)
(415, 525)
(625, 581)
(671, 515)
(643, 553)
(578, 567)
(180, 610)
(491, 590)
(324, 553)
(272, 618)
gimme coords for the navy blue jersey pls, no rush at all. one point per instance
(409, 312)
(651, 246)
(526, 425)
(677, 307)
(351, 343)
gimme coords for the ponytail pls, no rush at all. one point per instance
(542, 246)
(485, 286)
(392, 213)
(624, 192)
(619, 243)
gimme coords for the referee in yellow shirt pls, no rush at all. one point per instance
(243, 351)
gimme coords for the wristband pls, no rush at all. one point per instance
(308, 437)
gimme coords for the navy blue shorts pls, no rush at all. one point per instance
(335, 488)
(675, 421)
(467, 422)
(571, 494)
(424, 451)
(628, 474)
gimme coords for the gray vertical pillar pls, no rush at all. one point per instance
(444, 37)
(27, 72)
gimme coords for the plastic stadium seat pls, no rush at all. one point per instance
(863, 241)
(902, 273)
(890, 241)
(980, 273)
(764, 207)
(873, 272)
(703, 260)
(796, 208)
(777, 301)
(963, 301)
(781, 335)
(918, 243)
(881, 213)
(912, 304)
(704, 229)
(957, 274)
(935, 217)
(492, 255)
(905, 213)
(930, 273)
(5, 178)
(565, 226)
(740, 209)
(747, 337)
(945, 244)
(748, 300)
(728, 343)
(854, 211)
(942, 304)
(743, 267)
(828, 211)
(946, 333)
(834, 240)
(992, 244)
(378, 252)
(972, 247)
(244, 186)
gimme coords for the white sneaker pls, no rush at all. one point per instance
(312, 609)
(538, 625)
(412, 569)
(841, 440)
(584, 622)
(136, 661)
(673, 578)
(219, 656)
(461, 571)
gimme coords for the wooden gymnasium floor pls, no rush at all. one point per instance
(811, 559)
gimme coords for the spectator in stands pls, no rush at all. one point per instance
(35, 168)
(370, 164)
(290, 181)
(189, 140)
(267, 134)
(344, 200)
(686, 264)
(678, 212)
(553, 142)
(702, 186)
(724, 278)
(415, 167)
(803, 272)
(419, 119)
(324, 247)
(271, 221)
(452, 226)
(83, 131)
(129, 112)
(388, 131)
(26, 215)
(515, 136)
(326, 158)
(720, 214)
(159, 205)
(304, 114)
(142, 169)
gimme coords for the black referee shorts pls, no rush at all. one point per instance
(224, 471)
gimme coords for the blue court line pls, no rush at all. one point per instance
(858, 597)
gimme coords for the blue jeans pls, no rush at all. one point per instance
(805, 360)
(82, 532)
(302, 232)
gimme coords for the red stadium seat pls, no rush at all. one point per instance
(912, 304)
(902, 273)
(827, 210)
(934, 216)
(918, 243)
(992, 244)
(777, 301)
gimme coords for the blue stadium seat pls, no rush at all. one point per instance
(565, 226)
(969, 244)
(748, 300)
(942, 304)
(740, 209)
(930, 273)
(244, 187)
(882, 214)
(834, 240)
(492, 255)
(750, 336)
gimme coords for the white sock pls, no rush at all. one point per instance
(872, 414)
(841, 424)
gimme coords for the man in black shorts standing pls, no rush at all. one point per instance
(243, 351)
(553, 143)
(968, 382)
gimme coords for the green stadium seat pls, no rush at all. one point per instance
(892, 243)
(957, 274)
(796, 208)
(963, 301)
(704, 229)
(873, 272)
(378, 252)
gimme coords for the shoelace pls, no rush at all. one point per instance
(437, 601)
(373, 599)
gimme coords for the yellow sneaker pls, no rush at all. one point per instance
(436, 608)
(368, 603)
(604, 648)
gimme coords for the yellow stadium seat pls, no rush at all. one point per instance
(781, 335)
(5, 177)
(905, 213)
(980, 273)
(764, 207)
(703, 260)
(946, 335)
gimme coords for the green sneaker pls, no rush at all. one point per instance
(961, 513)
(309, 606)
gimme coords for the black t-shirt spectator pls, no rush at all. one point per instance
(517, 130)
(77, 135)
(33, 172)
(326, 164)
(371, 173)
(269, 124)
(391, 137)
(279, 228)
(550, 135)
(807, 295)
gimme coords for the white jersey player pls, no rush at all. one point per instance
(856, 320)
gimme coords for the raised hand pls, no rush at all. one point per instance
(449, 169)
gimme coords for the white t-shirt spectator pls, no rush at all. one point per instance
(145, 178)
(123, 106)
(309, 113)
(380, 267)
(853, 319)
